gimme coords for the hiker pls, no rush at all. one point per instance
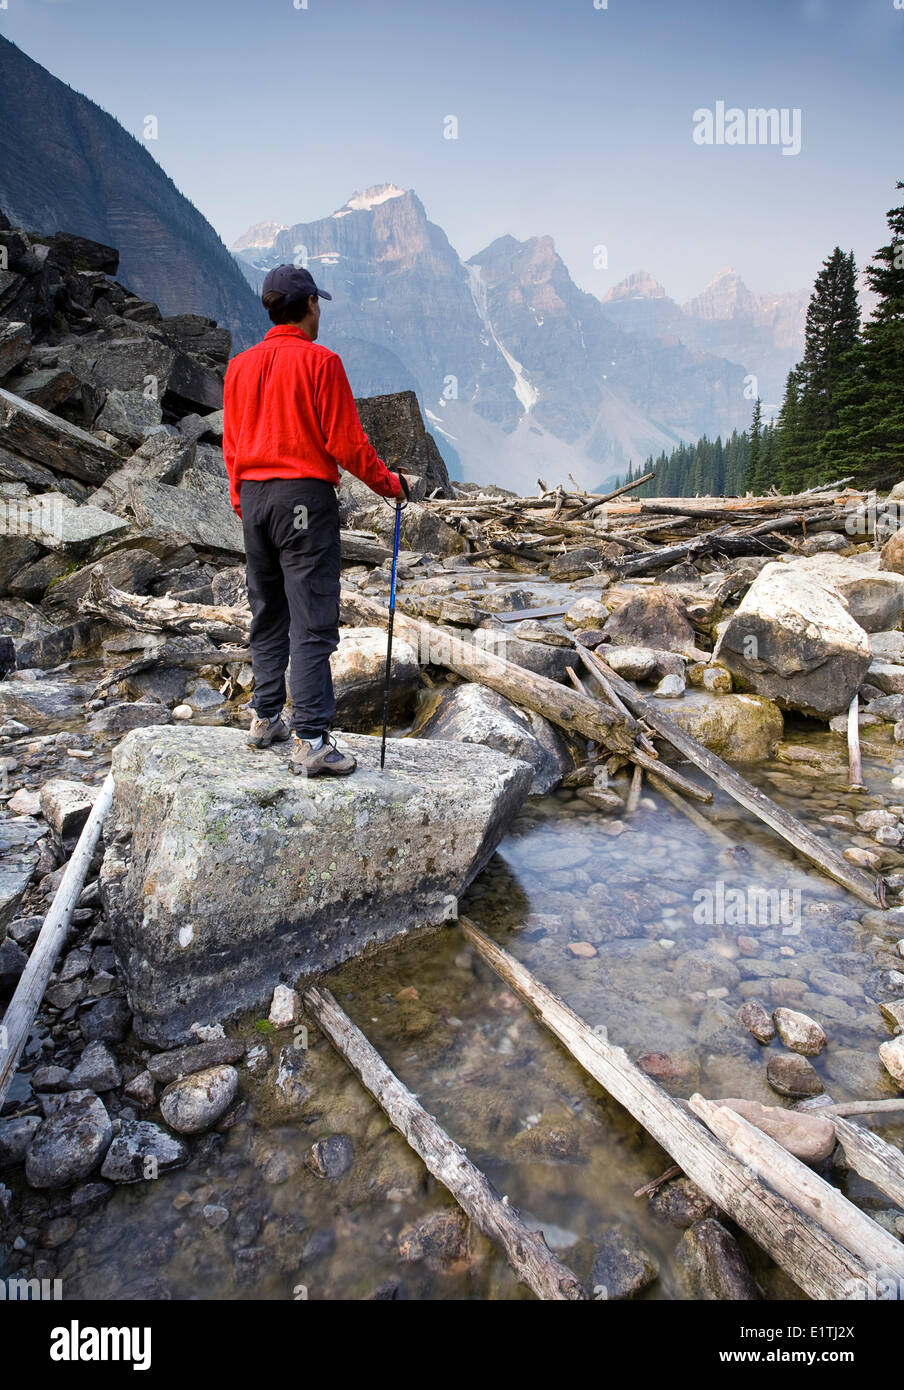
(289, 423)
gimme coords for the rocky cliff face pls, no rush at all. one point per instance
(66, 163)
(518, 369)
(762, 332)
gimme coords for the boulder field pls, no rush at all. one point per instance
(225, 875)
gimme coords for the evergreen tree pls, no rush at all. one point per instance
(868, 440)
(753, 480)
(831, 333)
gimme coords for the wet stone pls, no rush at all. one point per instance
(69, 1144)
(185, 1061)
(756, 1018)
(792, 1075)
(141, 1151)
(799, 1032)
(198, 1101)
(681, 1203)
(713, 1265)
(622, 1267)
(332, 1157)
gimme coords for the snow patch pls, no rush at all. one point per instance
(370, 198)
(527, 394)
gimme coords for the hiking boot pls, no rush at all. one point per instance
(263, 732)
(327, 758)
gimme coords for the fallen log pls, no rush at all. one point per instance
(439, 646)
(793, 831)
(880, 1163)
(882, 1253)
(23, 1006)
(609, 496)
(148, 614)
(170, 656)
(816, 1262)
(525, 1250)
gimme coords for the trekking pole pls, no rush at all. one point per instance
(395, 559)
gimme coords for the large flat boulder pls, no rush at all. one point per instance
(874, 596)
(793, 639)
(240, 876)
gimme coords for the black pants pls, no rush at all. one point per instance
(292, 554)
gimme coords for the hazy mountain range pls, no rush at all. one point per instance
(520, 371)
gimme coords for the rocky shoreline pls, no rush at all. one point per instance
(115, 506)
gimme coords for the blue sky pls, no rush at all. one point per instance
(574, 121)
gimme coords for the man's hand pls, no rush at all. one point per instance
(405, 480)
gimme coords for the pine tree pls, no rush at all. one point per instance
(753, 480)
(831, 333)
(868, 441)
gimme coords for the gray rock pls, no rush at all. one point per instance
(125, 715)
(15, 1137)
(875, 597)
(359, 668)
(40, 703)
(66, 805)
(471, 713)
(69, 1144)
(713, 1265)
(799, 1032)
(757, 1020)
(681, 1203)
(13, 961)
(129, 414)
(332, 1157)
(107, 1021)
(19, 859)
(141, 1151)
(205, 521)
(652, 618)
(670, 688)
(96, 1070)
(240, 875)
(185, 1061)
(36, 435)
(793, 639)
(622, 1267)
(792, 1075)
(198, 1101)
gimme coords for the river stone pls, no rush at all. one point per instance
(622, 1267)
(586, 612)
(96, 1070)
(793, 639)
(66, 805)
(19, 857)
(642, 663)
(891, 1055)
(331, 1157)
(70, 1143)
(198, 1101)
(471, 713)
(892, 555)
(681, 1203)
(713, 1265)
(140, 1151)
(799, 1032)
(241, 876)
(738, 728)
(792, 1075)
(186, 1061)
(806, 1134)
(874, 596)
(15, 1136)
(652, 618)
(757, 1020)
(359, 671)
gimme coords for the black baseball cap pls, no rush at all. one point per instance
(293, 281)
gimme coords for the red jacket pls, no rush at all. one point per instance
(289, 412)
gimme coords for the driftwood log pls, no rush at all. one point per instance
(818, 1263)
(525, 1250)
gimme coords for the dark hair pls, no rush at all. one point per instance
(282, 310)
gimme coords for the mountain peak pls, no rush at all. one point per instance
(370, 198)
(640, 285)
(261, 234)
